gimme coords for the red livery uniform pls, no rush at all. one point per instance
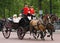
(32, 11)
(25, 10)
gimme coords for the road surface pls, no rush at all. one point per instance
(14, 39)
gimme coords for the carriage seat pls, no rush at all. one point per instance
(10, 19)
(14, 20)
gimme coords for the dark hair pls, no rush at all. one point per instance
(25, 4)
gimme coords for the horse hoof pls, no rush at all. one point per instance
(53, 30)
(42, 39)
(51, 38)
(48, 35)
(29, 38)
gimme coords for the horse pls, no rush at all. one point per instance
(54, 18)
(49, 25)
(50, 29)
(46, 18)
(37, 25)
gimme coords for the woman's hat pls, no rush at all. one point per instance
(14, 15)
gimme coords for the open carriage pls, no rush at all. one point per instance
(21, 27)
(8, 26)
(24, 26)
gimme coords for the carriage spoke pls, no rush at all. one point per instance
(20, 33)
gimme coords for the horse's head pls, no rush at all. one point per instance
(46, 19)
(54, 18)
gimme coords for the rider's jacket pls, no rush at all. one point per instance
(31, 11)
(25, 10)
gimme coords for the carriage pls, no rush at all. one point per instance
(21, 27)
(24, 26)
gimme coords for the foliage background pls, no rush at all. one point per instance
(10, 7)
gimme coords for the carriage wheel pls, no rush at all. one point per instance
(6, 32)
(20, 33)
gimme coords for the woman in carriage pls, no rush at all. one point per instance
(15, 19)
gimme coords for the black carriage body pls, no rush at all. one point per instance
(8, 24)
(11, 25)
(24, 22)
(1, 25)
(2, 21)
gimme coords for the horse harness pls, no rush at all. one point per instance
(37, 26)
